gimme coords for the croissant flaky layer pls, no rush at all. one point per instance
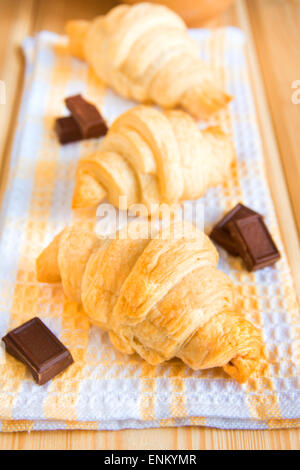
(145, 53)
(149, 158)
(161, 297)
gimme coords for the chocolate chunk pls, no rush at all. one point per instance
(220, 233)
(222, 238)
(37, 347)
(254, 242)
(87, 116)
(67, 130)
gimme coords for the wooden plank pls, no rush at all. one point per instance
(204, 438)
(276, 25)
(22, 17)
(53, 15)
(15, 24)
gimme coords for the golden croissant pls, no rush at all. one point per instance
(157, 293)
(149, 157)
(144, 53)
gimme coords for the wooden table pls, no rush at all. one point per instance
(272, 28)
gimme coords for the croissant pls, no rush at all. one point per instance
(149, 157)
(157, 292)
(144, 53)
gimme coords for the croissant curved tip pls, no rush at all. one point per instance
(76, 31)
(47, 269)
(241, 368)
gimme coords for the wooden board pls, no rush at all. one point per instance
(272, 30)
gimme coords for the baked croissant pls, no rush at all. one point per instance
(161, 296)
(150, 157)
(144, 53)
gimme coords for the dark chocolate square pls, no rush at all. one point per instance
(87, 116)
(67, 130)
(221, 234)
(37, 347)
(254, 242)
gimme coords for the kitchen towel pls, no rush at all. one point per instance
(105, 389)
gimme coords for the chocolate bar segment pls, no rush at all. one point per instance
(87, 116)
(220, 233)
(254, 242)
(37, 347)
(222, 238)
(67, 130)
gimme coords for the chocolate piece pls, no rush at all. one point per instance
(37, 347)
(87, 116)
(67, 130)
(222, 238)
(220, 233)
(254, 242)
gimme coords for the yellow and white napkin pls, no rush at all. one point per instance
(104, 389)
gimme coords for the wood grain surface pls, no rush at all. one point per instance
(273, 43)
